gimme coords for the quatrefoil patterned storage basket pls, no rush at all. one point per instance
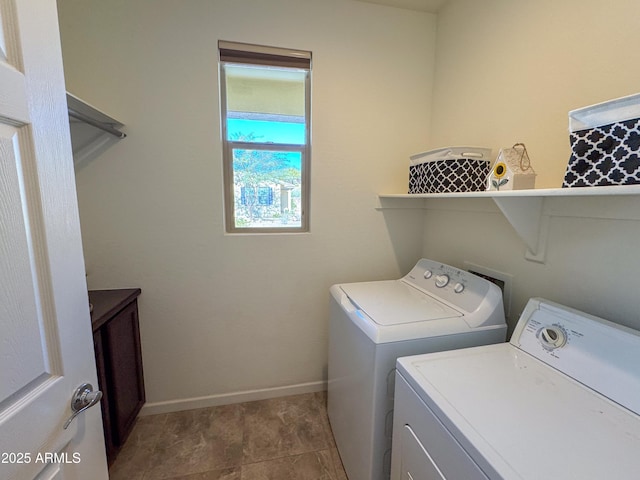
(605, 144)
(450, 169)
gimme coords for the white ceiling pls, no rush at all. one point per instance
(431, 6)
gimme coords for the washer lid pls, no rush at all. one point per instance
(394, 302)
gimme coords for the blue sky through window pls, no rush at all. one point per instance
(264, 131)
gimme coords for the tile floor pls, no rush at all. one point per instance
(287, 438)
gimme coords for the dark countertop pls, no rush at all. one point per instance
(106, 303)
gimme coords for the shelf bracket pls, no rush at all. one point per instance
(525, 214)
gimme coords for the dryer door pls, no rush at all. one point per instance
(416, 462)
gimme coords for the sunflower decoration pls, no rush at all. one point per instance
(499, 171)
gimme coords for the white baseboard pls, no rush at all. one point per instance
(153, 408)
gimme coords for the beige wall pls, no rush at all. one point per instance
(509, 71)
(226, 314)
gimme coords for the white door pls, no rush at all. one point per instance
(46, 348)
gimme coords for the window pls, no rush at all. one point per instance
(265, 102)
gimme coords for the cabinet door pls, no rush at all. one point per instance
(104, 388)
(126, 384)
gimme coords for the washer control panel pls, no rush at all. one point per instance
(461, 288)
(601, 355)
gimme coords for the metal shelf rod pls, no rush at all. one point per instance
(102, 126)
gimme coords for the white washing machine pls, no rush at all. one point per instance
(434, 307)
(560, 401)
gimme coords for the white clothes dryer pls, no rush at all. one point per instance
(560, 401)
(434, 307)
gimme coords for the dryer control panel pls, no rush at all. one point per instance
(597, 353)
(460, 288)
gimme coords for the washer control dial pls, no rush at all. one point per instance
(442, 280)
(458, 287)
(428, 273)
(552, 337)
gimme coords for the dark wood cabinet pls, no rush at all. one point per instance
(116, 339)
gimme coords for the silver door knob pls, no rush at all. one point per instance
(83, 398)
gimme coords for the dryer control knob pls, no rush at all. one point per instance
(552, 337)
(458, 287)
(427, 274)
(442, 280)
